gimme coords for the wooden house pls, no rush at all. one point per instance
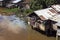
(44, 19)
(15, 3)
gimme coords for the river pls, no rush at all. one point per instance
(13, 28)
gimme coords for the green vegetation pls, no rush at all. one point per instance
(11, 10)
(40, 4)
(6, 10)
(27, 11)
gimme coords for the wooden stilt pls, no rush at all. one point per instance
(56, 37)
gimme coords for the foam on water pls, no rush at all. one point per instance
(12, 23)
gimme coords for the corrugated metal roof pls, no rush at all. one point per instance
(56, 7)
(47, 13)
(16, 1)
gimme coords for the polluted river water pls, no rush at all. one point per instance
(12, 28)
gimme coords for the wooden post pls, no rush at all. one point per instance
(56, 37)
(58, 34)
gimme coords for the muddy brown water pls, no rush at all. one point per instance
(8, 35)
(35, 35)
(24, 34)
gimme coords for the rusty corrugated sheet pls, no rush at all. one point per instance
(56, 7)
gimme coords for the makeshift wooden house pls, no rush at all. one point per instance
(45, 17)
(13, 3)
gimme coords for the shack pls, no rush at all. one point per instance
(48, 18)
(13, 3)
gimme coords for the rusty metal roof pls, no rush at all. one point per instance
(56, 7)
(47, 13)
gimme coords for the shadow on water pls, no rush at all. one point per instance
(44, 33)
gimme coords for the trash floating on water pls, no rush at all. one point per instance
(12, 23)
